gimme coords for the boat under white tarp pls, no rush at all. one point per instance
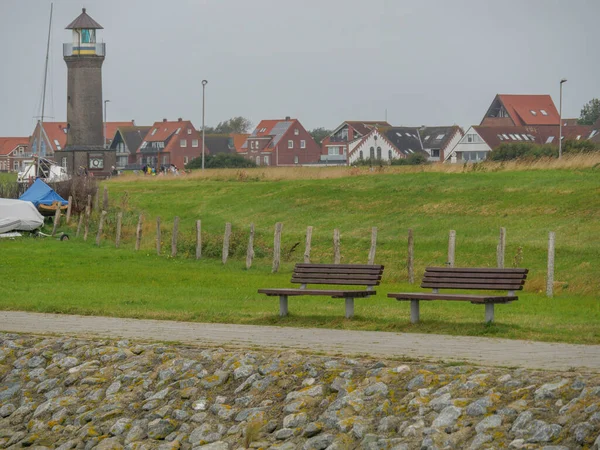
(19, 215)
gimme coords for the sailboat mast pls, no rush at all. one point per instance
(37, 168)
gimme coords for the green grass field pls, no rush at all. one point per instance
(77, 277)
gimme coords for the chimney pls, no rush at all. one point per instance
(287, 117)
(164, 120)
(179, 119)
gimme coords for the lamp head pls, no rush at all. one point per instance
(564, 80)
(204, 82)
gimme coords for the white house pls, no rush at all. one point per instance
(470, 148)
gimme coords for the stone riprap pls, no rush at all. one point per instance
(66, 393)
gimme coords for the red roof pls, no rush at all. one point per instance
(8, 144)
(111, 128)
(238, 141)
(530, 109)
(264, 127)
(56, 132)
(160, 131)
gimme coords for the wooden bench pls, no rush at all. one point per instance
(466, 278)
(343, 274)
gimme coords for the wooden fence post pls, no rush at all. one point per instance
(226, 242)
(174, 237)
(309, 231)
(158, 236)
(89, 202)
(501, 248)
(550, 276)
(68, 219)
(96, 200)
(79, 224)
(373, 245)
(105, 199)
(250, 251)
(198, 239)
(119, 220)
(88, 211)
(100, 226)
(411, 257)
(138, 233)
(451, 247)
(277, 247)
(337, 257)
(56, 221)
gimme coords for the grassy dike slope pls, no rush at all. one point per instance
(78, 277)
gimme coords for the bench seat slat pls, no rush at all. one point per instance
(340, 266)
(475, 270)
(461, 297)
(325, 292)
(490, 287)
(468, 281)
(337, 276)
(349, 271)
(304, 280)
(507, 276)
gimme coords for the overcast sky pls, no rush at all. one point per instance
(434, 62)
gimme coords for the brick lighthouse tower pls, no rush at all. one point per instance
(85, 150)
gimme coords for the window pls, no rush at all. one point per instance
(426, 137)
(290, 144)
(593, 133)
(470, 138)
(525, 138)
(183, 143)
(296, 132)
(543, 111)
(378, 152)
(178, 130)
(189, 131)
(440, 136)
(549, 140)
(578, 137)
(154, 131)
(57, 144)
(512, 136)
(333, 150)
(251, 145)
(295, 160)
(372, 153)
(144, 144)
(390, 155)
(266, 160)
(16, 166)
(500, 137)
(435, 153)
(533, 112)
(302, 144)
(258, 160)
(122, 161)
(185, 159)
(121, 147)
(63, 162)
(194, 142)
(164, 159)
(360, 155)
(519, 138)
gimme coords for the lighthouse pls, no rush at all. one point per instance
(84, 55)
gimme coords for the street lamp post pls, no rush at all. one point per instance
(204, 83)
(564, 80)
(105, 102)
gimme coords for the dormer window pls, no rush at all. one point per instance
(154, 131)
(543, 111)
(178, 130)
(533, 113)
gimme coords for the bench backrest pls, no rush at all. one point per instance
(478, 278)
(348, 274)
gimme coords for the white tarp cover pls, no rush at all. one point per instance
(19, 215)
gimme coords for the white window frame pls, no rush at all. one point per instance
(266, 160)
(189, 131)
(302, 143)
(296, 132)
(296, 160)
(290, 144)
(185, 159)
(194, 142)
(183, 143)
(251, 145)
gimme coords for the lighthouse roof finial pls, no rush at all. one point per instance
(84, 22)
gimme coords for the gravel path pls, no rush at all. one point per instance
(485, 351)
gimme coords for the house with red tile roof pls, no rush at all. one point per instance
(280, 142)
(14, 152)
(54, 136)
(170, 142)
(125, 143)
(478, 141)
(336, 147)
(520, 111)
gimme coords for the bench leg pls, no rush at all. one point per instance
(283, 305)
(489, 312)
(414, 311)
(349, 308)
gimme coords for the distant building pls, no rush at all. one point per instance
(521, 110)
(336, 147)
(283, 142)
(125, 142)
(478, 141)
(437, 141)
(170, 142)
(385, 144)
(14, 152)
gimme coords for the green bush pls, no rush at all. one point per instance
(529, 150)
(221, 161)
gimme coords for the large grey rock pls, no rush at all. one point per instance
(219, 445)
(548, 390)
(319, 442)
(377, 389)
(109, 444)
(121, 426)
(488, 423)
(540, 431)
(441, 402)
(295, 420)
(161, 428)
(388, 424)
(478, 407)
(416, 382)
(9, 390)
(582, 431)
(479, 440)
(313, 391)
(312, 429)
(219, 378)
(283, 434)
(447, 417)
(521, 422)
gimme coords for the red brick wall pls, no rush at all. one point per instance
(285, 156)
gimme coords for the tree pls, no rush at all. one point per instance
(237, 125)
(590, 112)
(219, 161)
(318, 134)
